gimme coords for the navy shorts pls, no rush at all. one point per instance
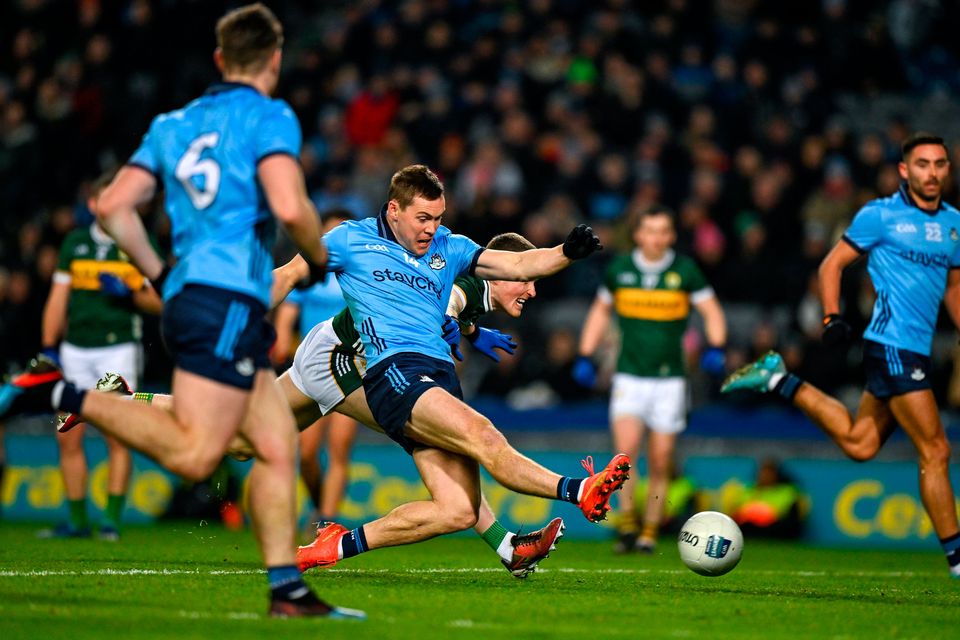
(218, 334)
(893, 372)
(394, 385)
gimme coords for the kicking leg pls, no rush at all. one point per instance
(441, 420)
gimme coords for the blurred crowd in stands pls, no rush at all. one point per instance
(764, 124)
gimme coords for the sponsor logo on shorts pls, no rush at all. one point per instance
(426, 379)
(918, 374)
(245, 367)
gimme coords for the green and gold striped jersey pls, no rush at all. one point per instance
(652, 305)
(95, 319)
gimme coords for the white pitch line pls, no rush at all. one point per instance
(35, 573)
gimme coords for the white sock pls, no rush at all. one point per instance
(505, 550)
(580, 490)
(955, 571)
(340, 548)
(57, 394)
(774, 380)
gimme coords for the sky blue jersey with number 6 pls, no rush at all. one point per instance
(397, 299)
(910, 252)
(206, 156)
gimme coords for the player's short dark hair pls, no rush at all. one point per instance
(651, 211)
(510, 242)
(335, 214)
(248, 36)
(412, 181)
(920, 138)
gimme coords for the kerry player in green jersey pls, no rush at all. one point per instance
(650, 291)
(93, 308)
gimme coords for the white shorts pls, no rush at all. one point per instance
(324, 369)
(83, 366)
(660, 403)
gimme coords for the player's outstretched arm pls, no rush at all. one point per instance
(286, 193)
(529, 265)
(286, 277)
(116, 212)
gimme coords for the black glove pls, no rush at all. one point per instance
(581, 242)
(317, 274)
(836, 330)
(157, 283)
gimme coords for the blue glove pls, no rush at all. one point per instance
(111, 285)
(451, 335)
(713, 361)
(584, 372)
(486, 340)
(52, 354)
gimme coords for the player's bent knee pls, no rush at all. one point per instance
(460, 518)
(861, 452)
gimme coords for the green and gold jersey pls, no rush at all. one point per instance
(652, 305)
(469, 300)
(94, 319)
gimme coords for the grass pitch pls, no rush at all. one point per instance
(189, 581)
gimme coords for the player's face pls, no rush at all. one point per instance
(654, 236)
(926, 169)
(511, 296)
(416, 224)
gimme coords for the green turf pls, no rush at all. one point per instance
(455, 588)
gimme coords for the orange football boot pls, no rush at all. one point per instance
(597, 489)
(530, 548)
(323, 551)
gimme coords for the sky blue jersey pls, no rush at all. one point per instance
(206, 157)
(320, 302)
(397, 300)
(910, 252)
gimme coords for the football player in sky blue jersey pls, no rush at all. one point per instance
(912, 240)
(313, 305)
(228, 162)
(396, 271)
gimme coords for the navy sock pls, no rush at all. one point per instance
(70, 398)
(788, 386)
(354, 543)
(568, 488)
(951, 547)
(286, 582)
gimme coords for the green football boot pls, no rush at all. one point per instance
(756, 375)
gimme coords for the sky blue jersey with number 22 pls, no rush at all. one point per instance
(206, 156)
(910, 252)
(397, 300)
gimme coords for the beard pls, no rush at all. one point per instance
(918, 190)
